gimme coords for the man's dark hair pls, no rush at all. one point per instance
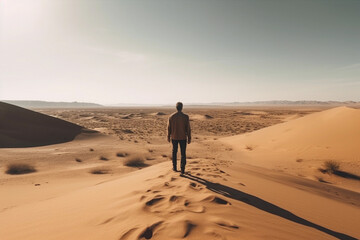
(179, 106)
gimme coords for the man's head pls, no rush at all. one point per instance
(179, 106)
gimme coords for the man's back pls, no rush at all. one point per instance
(179, 126)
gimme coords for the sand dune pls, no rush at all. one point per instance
(305, 142)
(24, 128)
(336, 130)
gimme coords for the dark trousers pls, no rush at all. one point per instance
(175, 144)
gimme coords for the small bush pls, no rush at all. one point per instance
(78, 160)
(136, 161)
(331, 166)
(127, 131)
(99, 171)
(122, 154)
(250, 148)
(20, 168)
(103, 158)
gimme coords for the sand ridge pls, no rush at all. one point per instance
(24, 128)
(306, 143)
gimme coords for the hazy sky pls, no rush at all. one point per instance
(154, 51)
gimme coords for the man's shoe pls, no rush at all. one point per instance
(182, 171)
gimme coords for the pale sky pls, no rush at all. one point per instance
(164, 51)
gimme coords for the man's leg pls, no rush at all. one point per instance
(183, 155)
(174, 153)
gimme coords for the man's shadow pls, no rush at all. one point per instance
(263, 205)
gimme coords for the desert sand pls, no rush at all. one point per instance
(252, 173)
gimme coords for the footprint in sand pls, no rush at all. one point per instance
(194, 162)
(127, 234)
(173, 179)
(175, 198)
(195, 208)
(213, 175)
(217, 200)
(148, 232)
(167, 184)
(194, 169)
(181, 229)
(195, 186)
(226, 224)
(214, 235)
(154, 200)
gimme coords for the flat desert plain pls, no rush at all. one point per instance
(252, 173)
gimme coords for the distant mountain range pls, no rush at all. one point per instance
(284, 103)
(272, 103)
(44, 104)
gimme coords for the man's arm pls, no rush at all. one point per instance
(188, 131)
(168, 130)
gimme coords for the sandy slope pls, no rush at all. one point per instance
(334, 132)
(207, 204)
(301, 146)
(20, 127)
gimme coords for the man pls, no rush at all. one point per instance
(179, 131)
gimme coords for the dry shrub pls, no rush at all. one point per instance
(250, 148)
(103, 158)
(122, 154)
(99, 171)
(128, 131)
(19, 168)
(331, 166)
(135, 161)
(78, 160)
